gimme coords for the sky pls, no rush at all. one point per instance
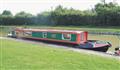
(37, 6)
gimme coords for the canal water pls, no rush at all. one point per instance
(113, 39)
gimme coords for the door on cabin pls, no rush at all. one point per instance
(82, 37)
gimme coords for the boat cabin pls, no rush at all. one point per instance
(67, 36)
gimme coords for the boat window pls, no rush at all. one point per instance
(53, 35)
(44, 34)
(27, 33)
(66, 36)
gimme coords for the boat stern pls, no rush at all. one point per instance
(101, 46)
(96, 45)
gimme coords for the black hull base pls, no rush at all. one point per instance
(99, 49)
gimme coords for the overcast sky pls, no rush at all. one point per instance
(37, 6)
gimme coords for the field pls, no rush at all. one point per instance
(25, 56)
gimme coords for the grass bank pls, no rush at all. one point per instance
(83, 28)
(16, 55)
(6, 29)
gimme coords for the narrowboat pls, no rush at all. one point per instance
(79, 38)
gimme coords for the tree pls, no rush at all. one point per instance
(103, 1)
(7, 13)
(23, 18)
(44, 18)
(106, 13)
(6, 18)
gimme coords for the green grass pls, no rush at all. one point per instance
(83, 28)
(16, 55)
(5, 29)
